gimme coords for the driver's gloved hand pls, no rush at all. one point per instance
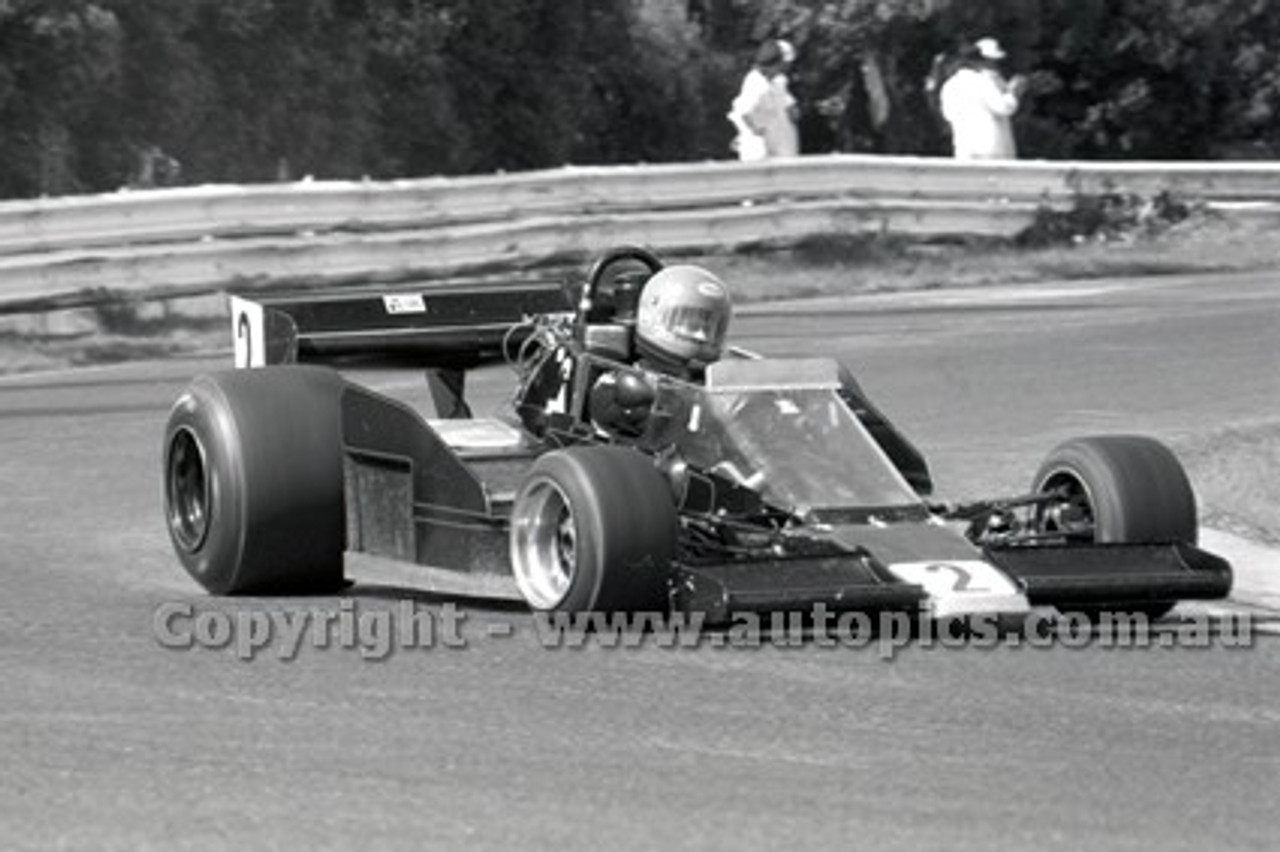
(620, 402)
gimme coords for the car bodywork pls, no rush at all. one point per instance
(790, 487)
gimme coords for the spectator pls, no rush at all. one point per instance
(764, 112)
(978, 104)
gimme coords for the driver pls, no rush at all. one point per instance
(682, 321)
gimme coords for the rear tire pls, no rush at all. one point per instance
(1119, 489)
(253, 480)
(594, 528)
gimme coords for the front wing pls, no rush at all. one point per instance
(1009, 581)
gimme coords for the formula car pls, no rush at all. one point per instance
(763, 484)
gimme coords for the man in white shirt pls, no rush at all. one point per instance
(764, 112)
(978, 103)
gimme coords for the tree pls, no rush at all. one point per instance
(290, 95)
(255, 90)
(420, 131)
(57, 59)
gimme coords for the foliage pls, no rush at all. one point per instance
(54, 58)
(257, 90)
(1105, 217)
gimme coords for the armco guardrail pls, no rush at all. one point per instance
(174, 270)
(193, 240)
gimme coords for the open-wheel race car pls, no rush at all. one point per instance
(614, 481)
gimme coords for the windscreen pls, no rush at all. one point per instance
(800, 448)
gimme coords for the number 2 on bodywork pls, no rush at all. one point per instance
(960, 587)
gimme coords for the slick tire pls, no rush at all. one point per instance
(1131, 488)
(253, 493)
(594, 529)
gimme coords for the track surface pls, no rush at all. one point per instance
(111, 741)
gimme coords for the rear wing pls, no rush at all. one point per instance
(445, 325)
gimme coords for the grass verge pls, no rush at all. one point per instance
(833, 266)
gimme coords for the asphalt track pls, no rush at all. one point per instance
(111, 741)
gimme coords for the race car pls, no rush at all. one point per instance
(758, 484)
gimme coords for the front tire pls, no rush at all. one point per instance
(1126, 489)
(253, 480)
(594, 528)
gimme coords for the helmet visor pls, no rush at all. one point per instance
(696, 323)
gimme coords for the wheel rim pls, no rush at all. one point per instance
(1072, 515)
(544, 545)
(187, 491)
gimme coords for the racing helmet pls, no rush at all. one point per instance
(683, 316)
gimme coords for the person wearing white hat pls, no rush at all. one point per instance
(978, 104)
(764, 112)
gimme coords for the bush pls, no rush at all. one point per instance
(1109, 217)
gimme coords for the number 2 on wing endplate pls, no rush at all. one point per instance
(244, 336)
